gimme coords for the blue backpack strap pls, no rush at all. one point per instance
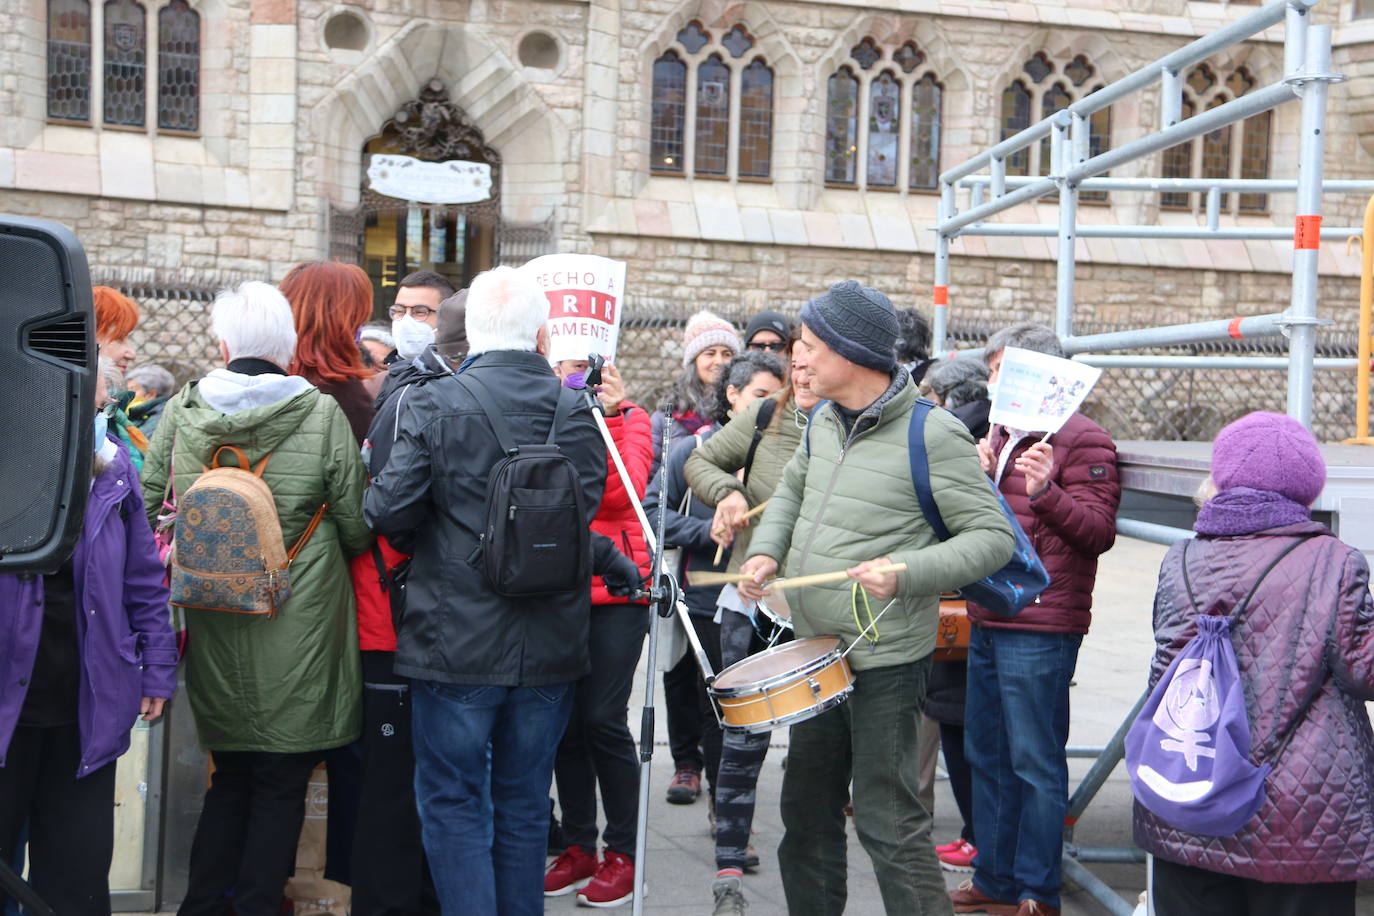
(920, 468)
(809, 417)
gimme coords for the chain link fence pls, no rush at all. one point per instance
(1165, 404)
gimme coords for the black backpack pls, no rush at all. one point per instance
(536, 539)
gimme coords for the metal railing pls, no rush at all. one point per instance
(990, 191)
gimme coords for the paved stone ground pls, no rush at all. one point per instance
(1111, 675)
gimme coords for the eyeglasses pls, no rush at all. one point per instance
(776, 346)
(418, 312)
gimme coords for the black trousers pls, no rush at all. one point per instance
(597, 749)
(1182, 890)
(247, 833)
(390, 874)
(960, 776)
(694, 736)
(71, 821)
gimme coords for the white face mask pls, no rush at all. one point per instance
(412, 336)
(992, 391)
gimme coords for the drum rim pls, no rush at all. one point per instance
(792, 718)
(815, 664)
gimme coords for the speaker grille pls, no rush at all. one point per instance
(64, 339)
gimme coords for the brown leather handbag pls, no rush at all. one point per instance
(951, 637)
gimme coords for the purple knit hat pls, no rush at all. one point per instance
(1269, 451)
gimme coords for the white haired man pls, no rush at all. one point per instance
(492, 675)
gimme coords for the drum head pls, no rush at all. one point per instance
(774, 606)
(779, 660)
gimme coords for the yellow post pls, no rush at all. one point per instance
(1366, 322)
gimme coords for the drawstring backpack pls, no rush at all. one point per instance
(1188, 751)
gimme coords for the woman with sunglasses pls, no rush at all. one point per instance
(87, 650)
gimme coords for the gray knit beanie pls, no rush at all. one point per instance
(856, 322)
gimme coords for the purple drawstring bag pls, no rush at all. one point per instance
(1188, 751)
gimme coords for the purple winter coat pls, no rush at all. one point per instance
(128, 646)
(1306, 654)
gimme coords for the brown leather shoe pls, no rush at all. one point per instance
(968, 899)
(1036, 908)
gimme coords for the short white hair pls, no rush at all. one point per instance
(505, 311)
(254, 321)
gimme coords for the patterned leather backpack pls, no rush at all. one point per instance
(229, 553)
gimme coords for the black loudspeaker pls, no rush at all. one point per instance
(48, 368)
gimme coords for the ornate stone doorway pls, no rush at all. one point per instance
(388, 237)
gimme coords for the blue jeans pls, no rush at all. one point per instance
(1017, 725)
(483, 764)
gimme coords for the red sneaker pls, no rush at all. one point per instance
(959, 859)
(569, 872)
(613, 884)
(949, 847)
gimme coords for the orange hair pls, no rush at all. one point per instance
(116, 316)
(330, 301)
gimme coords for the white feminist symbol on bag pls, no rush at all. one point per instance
(1189, 708)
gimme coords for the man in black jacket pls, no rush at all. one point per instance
(492, 676)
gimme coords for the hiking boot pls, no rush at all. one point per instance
(1036, 908)
(968, 899)
(685, 787)
(958, 859)
(569, 872)
(729, 894)
(613, 884)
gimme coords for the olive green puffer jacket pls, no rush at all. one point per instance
(711, 467)
(852, 500)
(291, 683)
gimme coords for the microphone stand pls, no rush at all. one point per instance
(665, 599)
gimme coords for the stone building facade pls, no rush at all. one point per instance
(560, 94)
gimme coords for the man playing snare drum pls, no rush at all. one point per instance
(847, 502)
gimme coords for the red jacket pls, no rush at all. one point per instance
(616, 518)
(1071, 523)
(375, 630)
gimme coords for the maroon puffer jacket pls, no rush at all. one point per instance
(1071, 523)
(1306, 654)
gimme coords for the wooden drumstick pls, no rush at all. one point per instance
(745, 517)
(824, 578)
(714, 578)
(720, 552)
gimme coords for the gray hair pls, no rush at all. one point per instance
(254, 321)
(151, 377)
(958, 381)
(1027, 336)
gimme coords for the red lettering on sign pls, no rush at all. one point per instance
(585, 303)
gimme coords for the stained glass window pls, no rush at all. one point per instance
(756, 120)
(925, 132)
(1240, 81)
(1178, 163)
(666, 129)
(1079, 71)
(1216, 149)
(1254, 158)
(1016, 114)
(884, 122)
(178, 67)
(713, 117)
(909, 57)
(865, 54)
(1201, 78)
(693, 38)
(1038, 67)
(69, 60)
(841, 127)
(1056, 98)
(737, 41)
(1099, 141)
(126, 50)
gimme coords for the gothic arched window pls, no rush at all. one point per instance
(178, 67)
(713, 117)
(667, 126)
(126, 63)
(1039, 89)
(1238, 150)
(841, 127)
(69, 60)
(756, 120)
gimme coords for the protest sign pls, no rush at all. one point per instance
(1039, 393)
(585, 294)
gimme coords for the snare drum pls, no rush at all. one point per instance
(783, 685)
(772, 619)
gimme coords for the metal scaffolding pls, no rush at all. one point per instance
(990, 191)
(987, 191)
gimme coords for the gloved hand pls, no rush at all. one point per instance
(621, 577)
